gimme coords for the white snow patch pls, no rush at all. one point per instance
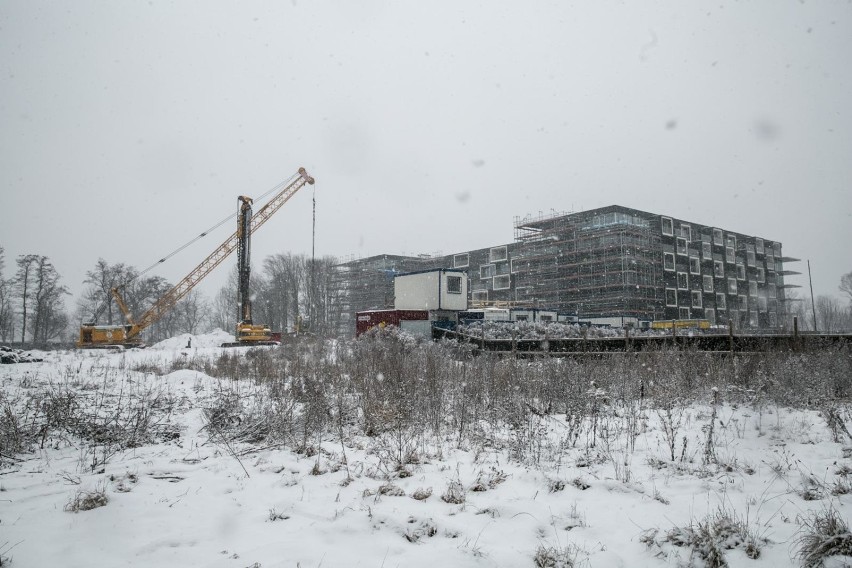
(185, 340)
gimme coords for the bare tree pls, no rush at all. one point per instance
(49, 319)
(282, 293)
(846, 285)
(140, 295)
(98, 296)
(41, 296)
(192, 312)
(224, 308)
(7, 314)
(324, 298)
(22, 283)
(829, 313)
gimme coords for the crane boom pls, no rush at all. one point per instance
(120, 335)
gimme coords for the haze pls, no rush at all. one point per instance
(127, 128)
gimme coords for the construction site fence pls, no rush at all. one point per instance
(730, 343)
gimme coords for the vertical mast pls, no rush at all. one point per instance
(244, 258)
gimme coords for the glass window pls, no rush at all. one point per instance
(682, 281)
(731, 241)
(686, 231)
(706, 251)
(710, 315)
(743, 302)
(694, 265)
(486, 271)
(708, 283)
(717, 237)
(750, 259)
(771, 290)
(741, 271)
(752, 288)
(696, 299)
(502, 282)
(721, 302)
(497, 254)
(761, 304)
(461, 260)
(752, 318)
(668, 226)
(718, 269)
(730, 257)
(761, 275)
(668, 261)
(454, 284)
(681, 246)
(671, 297)
(732, 286)
(683, 313)
(758, 244)
(773, 319)
(479, 296)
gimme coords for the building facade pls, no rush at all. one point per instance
(612, 262)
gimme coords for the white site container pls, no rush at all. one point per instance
(431, 290)
(534, 315)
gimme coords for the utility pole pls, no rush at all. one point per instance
(813, 306)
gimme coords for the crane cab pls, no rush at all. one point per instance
(106, 337)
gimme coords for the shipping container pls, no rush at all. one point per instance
(533, 315)
(486, 314)
(439, 289)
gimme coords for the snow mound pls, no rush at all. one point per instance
(11, 356)
(213, 339)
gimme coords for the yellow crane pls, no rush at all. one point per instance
(123, 336)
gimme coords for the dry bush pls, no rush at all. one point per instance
(454, 494)
(556, 556)
(823, 535)
(709, 538)
(421, 494)
(87, 500)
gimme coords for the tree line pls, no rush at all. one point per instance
(31, 301)
(289, 293)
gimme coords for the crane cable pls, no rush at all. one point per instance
(107, 300)
(205, 233)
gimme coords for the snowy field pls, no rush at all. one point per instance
(145, 458)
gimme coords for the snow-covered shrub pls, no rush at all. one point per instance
(556, 556)
(421, 494)
(87, 500)
(708, 539)
(824, 535)
(455, 493)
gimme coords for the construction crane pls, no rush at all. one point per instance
(128, 335)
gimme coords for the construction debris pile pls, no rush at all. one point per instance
(10, 356)
(544, 330)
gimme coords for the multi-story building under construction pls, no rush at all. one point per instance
(613, 262)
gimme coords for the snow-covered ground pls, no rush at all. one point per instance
(192, 489)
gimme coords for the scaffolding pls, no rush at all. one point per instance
(367, 283)
(600, 264)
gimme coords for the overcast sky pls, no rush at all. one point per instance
(126, 128)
